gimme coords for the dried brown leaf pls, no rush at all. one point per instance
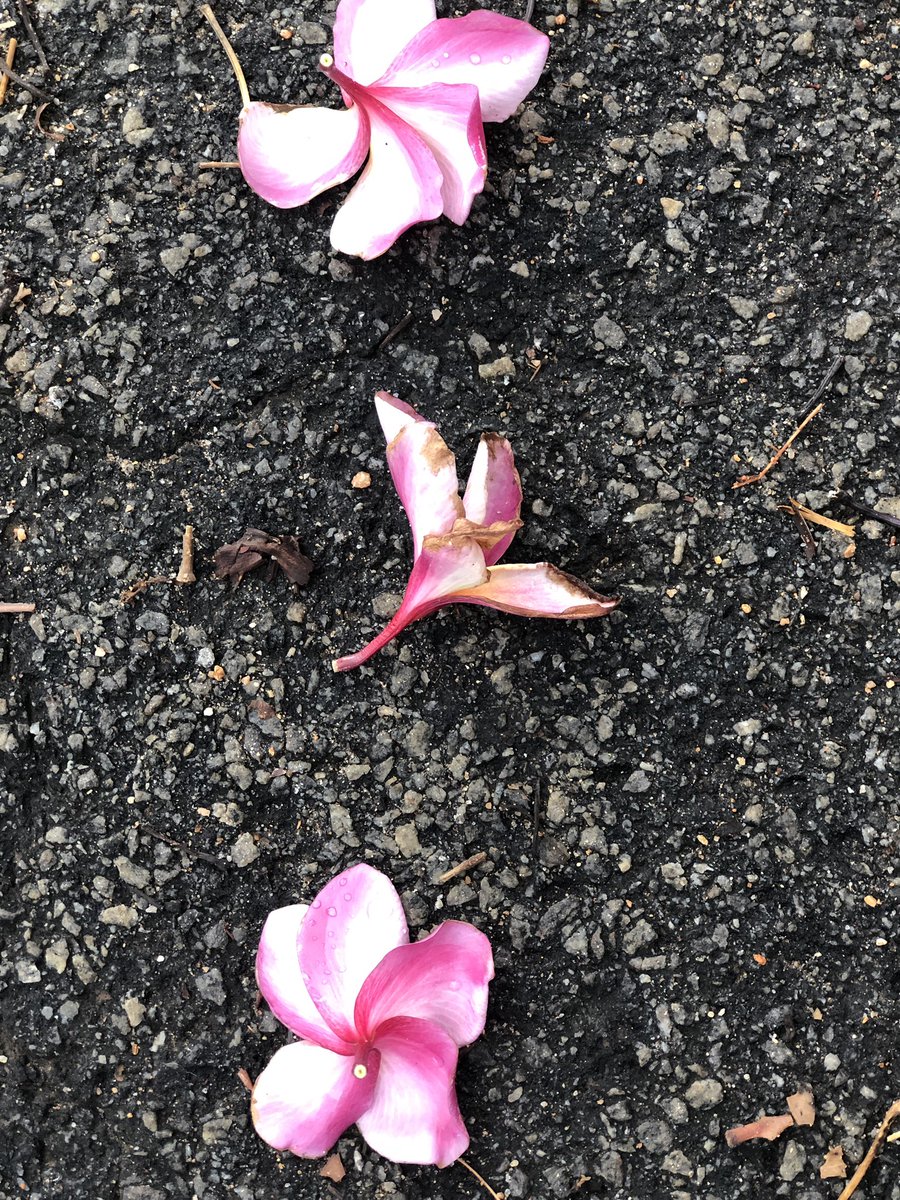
(833, 1165)
(769, 1128)
(334, 1169)
(255, 548)
(803, 1108)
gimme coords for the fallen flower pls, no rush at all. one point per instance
(380, 1021)
(457, 543)
(236, 559)
(769, 1128)
(417, 90)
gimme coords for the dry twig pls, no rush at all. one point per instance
(773, 461)
(475, 861)
(186, 570)
(484, 1183)
(809, 514)
(11, 606)
(877, 1142)
(769, 1128)
(244, 1076)
(10, 58)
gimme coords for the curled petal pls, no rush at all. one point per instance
(414, 1116)
(487, 536)
(394, 414)
(448, 118)
(281, 982)
(443, 979)
(290, 153)
(537, 590)
(437, 575)
(351, 925)
(501, 56)
(400, 186)
(368, 34)
(307, 1096)
(494, 490)
(424, 472)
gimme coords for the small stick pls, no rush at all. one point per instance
(12, 607)
(745, 479)
(216, 166)
(809, 542)
(10, 59)
(829, 375)
(872, 513)
(32, 36)
(244, 1076)
(135, 590)
(186, 570)
(475, 861)
(536, 833)
(29, 87)
(189, 850)
(484, 1183)
(395, 332)
(809, 514)
(860, 1173)
(529, 12)
(229, 50)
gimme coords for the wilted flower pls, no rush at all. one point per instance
(457, 543)
(417, 90)
(379, 1019)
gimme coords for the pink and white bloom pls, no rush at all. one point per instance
(380, 1021)
(457, 543)
(416, 90)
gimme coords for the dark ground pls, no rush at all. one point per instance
(717, 763)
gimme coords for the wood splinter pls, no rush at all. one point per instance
(880, 1138)
(475, 861)
(186, 570)
(10, 59)
(10, 606)
(773, 461)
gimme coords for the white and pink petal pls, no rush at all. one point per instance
(537, 590)
(400, 186)
(414, 1115)
(307, 1096)
(369, 34)
(351, 925)
(494, 490)
(448, 118)
(501, 56)
(443, 979)
(424, 473)
(281, 982)
(290, 153)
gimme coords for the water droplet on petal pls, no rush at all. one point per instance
(332, 911)
(474, 59)
(454, 985)
(316, 904)
(446, 54)
(347, 897)
(506, 60)
(435, 62)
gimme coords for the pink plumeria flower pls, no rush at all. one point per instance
(458, 543)
(416, 90)
(380, 1022)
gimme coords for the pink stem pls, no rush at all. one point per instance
(387, 634)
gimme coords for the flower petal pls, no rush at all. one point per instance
(307, 1096)
(437, 576)
(448, 118)
(494, 489)
(503, 57)
(281, 983)
(394, 414)
(368, 34)
(290, 153)
(537, 590)
(400, 186)
(414, 1116)
(443, 979)
(351, 925)
(424, 472)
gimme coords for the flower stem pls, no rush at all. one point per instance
(229, 50)
(387, 634)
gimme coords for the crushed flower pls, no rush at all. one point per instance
(380, 1021)
(457, 543)
(417, 90)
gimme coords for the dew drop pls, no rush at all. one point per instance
(435, 62)
(506, 60)
(316, 904)
(332, 911)
(347, 897)
(474, 59)
(446, 54)
(454, 985)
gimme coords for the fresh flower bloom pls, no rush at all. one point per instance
(457, 543)
(417, 90)
(380, 1021)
